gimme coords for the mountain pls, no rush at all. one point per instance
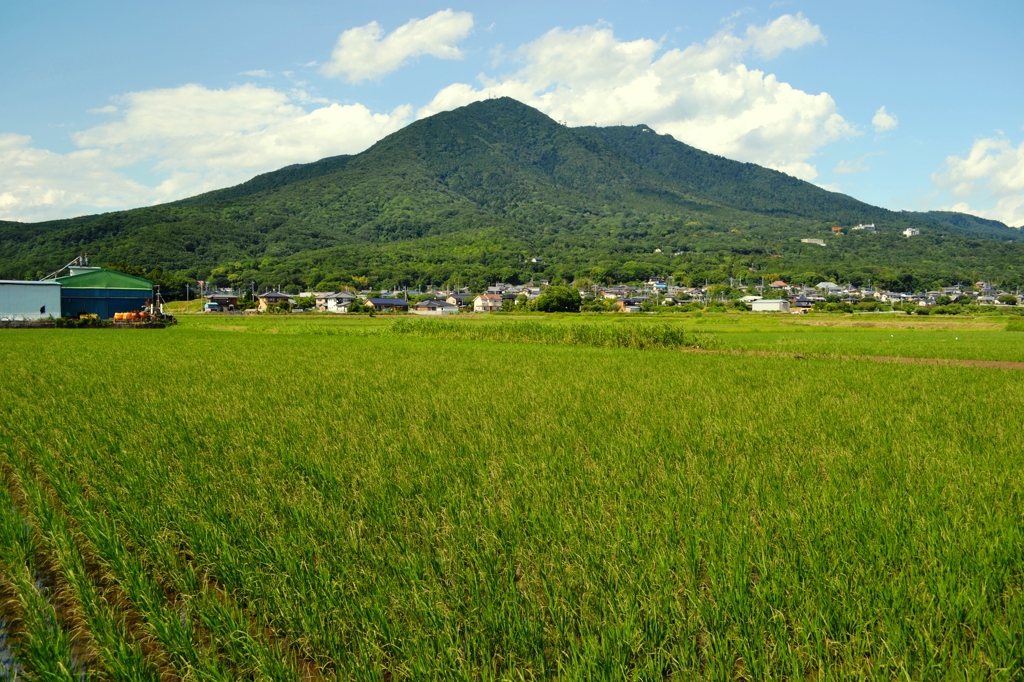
(477, 193)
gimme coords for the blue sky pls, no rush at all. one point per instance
(109, 105)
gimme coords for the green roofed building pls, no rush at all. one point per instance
(102, 292)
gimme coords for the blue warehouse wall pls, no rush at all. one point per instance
(102, 302)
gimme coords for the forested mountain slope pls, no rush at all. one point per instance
(476, 193)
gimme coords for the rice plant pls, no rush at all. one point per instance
(548, 500)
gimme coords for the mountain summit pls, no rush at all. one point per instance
(477, 193)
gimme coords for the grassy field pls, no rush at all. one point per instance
(309, 497)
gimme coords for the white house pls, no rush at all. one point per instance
(487, 303)
(23, 300)
(434, 307)
(911, 232)
(770, 305)
(335, 303)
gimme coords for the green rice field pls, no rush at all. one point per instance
(580, 497)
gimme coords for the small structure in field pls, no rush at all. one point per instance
(487, 303)
(435, 307)
(770, 305)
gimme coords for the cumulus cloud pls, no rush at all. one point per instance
(992, 172)
(883, 121)
(364, 53)
(703, 95)
(258, 73)
(192, 139)
(788, 32)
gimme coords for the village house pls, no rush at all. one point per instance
(487, 303)
(387, 305)
(435, 307)
(335, 303)
(270, 298)
(461, 300)
(629, 305)
(223, 300)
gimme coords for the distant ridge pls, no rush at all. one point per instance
(475, 193)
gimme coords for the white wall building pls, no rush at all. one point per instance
(23, 300)
(770, 305)
(435, 307)
(911, 232)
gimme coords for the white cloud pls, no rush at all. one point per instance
(258, 73)
(192, 139)
(109, 109)
(850, 167)
(993, 173)
(883, 121)
(788, 32)
(703, 95)
(364, 53)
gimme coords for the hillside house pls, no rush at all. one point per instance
(911, 232)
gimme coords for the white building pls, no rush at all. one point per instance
(487, 303)
(335, 303)
(911, 232)
(770, 305)
(866, 228)
(23, 300)
(818, 242)
(435, 307)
